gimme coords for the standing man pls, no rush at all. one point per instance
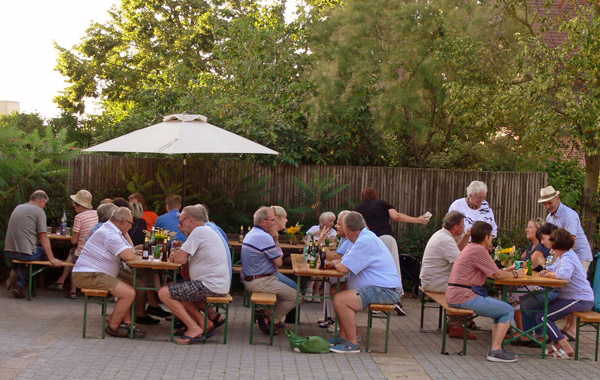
(372, 278)
(564, 217)
(261, 257)
(209, 274)
(27, 225)
(170, 220)
(98, 268)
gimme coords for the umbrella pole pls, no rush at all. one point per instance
(184, 175)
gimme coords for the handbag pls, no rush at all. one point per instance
(309, 344)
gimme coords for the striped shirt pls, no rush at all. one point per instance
(102, 250)
(83, 223)
(258, 253)
(568, 219)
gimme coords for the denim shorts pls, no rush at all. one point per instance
(374, 294)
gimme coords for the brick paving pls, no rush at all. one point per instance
(42, 339)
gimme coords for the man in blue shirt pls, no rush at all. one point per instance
(261, 257)
(372, 278)
(170, 220)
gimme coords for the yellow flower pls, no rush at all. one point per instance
(292, 230)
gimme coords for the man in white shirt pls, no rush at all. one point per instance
(440, 253)
(206, 255)
(98, 268)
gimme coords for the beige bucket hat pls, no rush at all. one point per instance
(83, 198)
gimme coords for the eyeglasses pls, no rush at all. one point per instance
(128, 222)
(272, 219)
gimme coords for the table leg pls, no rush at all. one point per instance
(545, 324)
(336, 315)
(173, 315)
(133, 305)
(298, 293)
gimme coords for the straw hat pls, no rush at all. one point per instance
(547, 193)
(83, 198)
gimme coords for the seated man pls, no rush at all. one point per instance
(261, 257)
(372, 278)
(26, 225)
(440, 253)
(170, 220)
(209, 274)
(98, 268)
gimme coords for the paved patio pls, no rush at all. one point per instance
(42, 339)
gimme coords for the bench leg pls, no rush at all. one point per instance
(226, 306)
(85, 304)
(444, 352)
(387, 330)
(465, 324)
(104, 307)
(369, 324)
(440, 319)
(271, 332)
(252, 321)
(422, 312)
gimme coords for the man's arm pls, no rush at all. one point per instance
(337, 264)
(45, 242)
(127, 255)
(180, 257)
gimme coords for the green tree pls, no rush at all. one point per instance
(408, 83)
(559, 86)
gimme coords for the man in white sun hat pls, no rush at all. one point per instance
(567, 218)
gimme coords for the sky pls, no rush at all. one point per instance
(27, 54)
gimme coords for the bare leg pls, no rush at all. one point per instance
(346, 305)
(564, 344)
(122, 310)
(498, 332)
(178, 308)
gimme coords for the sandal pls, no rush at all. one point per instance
(56, 286)
(217, 320)
(126, 328)
(71, 295)
(558, 353)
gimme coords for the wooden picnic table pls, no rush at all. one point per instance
(531, 281)
(154, 265)
(302, 269)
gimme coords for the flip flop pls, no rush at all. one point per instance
(570, 337)
(217, 320)
(190, 340)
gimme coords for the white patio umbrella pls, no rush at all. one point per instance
(181, 134)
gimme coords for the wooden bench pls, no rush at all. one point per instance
(89, 293)
(445, 312)
(263, 299)
(43, 266)
(219, 302)
(588, 318)
(387, 312)
(238, 269)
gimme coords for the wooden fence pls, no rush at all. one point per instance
(513, 196)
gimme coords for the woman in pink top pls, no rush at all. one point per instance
(465, 288)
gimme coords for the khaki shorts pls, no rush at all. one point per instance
(95, 280)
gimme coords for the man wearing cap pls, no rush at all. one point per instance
(85, 219)
(567, 218)
(26, 225)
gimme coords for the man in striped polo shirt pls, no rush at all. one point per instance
(261, 257)
(98, 268)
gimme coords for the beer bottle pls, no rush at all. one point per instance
(153, 236)
(529, 267)
(241, 237)
(166, 249)
(323, 257)
(146, 249)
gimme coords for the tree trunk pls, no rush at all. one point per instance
(589, 209)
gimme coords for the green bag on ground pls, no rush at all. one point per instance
(309, 344)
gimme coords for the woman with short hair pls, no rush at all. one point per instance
(576, 295)
(466, 288)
